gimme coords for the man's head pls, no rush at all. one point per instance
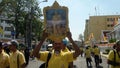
(1, 47)
(13, 44)
(118, 45)
(95, 46)
(57, 46)
(64, 43)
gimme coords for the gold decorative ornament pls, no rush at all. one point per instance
(56, 21)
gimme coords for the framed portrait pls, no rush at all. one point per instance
(56, 21)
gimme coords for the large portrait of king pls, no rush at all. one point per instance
(56, 21)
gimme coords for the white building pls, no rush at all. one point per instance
(117, 30)
(115, 34)
(7, 29)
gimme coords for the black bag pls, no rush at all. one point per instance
(100, 60)
(42, 65)
(45, 65)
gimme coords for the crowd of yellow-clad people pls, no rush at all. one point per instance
(61, 55)
(13, 59)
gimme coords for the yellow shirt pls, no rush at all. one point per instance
(57, 61)
(96, 51)
(14, 60)
(81, 48)
(91, 49)
(66, 50)
(87, 53)
(111, 57)
(4, 60)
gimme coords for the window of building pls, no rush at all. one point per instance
(110, 25)
(110, 19)
(8, 28)
(7, 36)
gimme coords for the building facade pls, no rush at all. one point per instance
(97, 28)
(115, 34)
(6, 28)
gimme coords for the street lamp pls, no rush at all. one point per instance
(43, 1)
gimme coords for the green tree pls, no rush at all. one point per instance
(17, 10)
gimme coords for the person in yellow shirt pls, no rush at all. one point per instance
(65, 49)
(58, 58)
(17, 59)
(114, 56)
(82, 51)
(4, 58)
(88, 57)
(96, 55)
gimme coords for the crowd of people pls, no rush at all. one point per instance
(62, 56)
(11, 56)
(94, 52)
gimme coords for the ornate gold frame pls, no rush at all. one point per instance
(58, 16)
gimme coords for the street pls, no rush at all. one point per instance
(80, 62)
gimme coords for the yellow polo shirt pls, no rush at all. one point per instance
(57, 61)
(66, 50)
(111, 57)
(4, 60)
(96, 51)
(13, 59)
(87, 53)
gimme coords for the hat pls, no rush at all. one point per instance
(5, 44)
(13, 42)
(64, 41)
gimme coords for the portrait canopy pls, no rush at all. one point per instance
(56, 21)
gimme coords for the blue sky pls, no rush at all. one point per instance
(80, 10)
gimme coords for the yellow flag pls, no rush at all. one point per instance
(1, 30)
(104, 38)
(91, 36)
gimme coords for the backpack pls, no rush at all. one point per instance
(45, 65)
(114, 60)
(114, 57)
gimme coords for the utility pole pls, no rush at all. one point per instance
(29, 20)
(29, 28)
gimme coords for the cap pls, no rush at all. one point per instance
(64, 41)
(5, 44)
(13, 42)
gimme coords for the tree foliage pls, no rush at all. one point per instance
(17, 10)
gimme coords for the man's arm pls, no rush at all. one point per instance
(76, 48)
(23, 65)
(37, 48)
(113, 63)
